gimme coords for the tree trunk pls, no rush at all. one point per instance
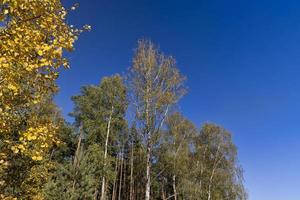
(148, 178)
(77, 156)
(212, 174)
(103, 189)
(202, 170)
(115, 180)
(105, 153)
(163, 195)
(174, 187)
(77, 153)
(120, 183)
(210, 186)
(131, 175)
(124, 180)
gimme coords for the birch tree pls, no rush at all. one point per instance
(218, 174)
(156, 84)
(175, 152)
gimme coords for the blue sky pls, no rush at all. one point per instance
(242, 60)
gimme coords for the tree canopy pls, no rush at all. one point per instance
(157, 153)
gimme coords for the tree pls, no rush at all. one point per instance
(77, 183)
(175, 154)
(156, 85)
(25, 177)
(216, 175)
(33, 36)
(100, 110)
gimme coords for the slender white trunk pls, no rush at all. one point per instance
(115, 180)
(77, 155)
(124, 177)
(131, 175)
(210, 185)
(212, 174)
(148, 178)
(121, 175)
(103, 189)
(105, 153)
(174, 187)
(202, 170)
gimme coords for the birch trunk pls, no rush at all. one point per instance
(124, 178)
(115, 180)
(131, 175)
(212, 174)
(121, 175)
(202, 170)
(76, 158)
(148, 178)
(77, 155)
(174, 187)
(105, 153)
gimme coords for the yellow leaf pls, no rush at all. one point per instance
(40, 52)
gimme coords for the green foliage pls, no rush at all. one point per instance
(186, 163)
(99, 156)
(66, 183)
(80, 175)
(93, 107)
(217, 173)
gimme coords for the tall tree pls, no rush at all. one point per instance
(175, 153)
(33, 36)
(217, 175)
(100, 110)
(156, 85)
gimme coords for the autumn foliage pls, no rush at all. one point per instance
(156, 154)
(33, 36)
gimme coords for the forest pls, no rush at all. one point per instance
(129, 139)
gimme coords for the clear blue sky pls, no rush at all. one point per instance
(242, 60)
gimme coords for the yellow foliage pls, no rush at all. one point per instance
(33, 35)
(31, 47)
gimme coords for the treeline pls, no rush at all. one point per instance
(128, 140)
(157, 154)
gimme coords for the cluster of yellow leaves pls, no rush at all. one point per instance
(33, 36)
(36, 141)
(7, 198)
(31, 51)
